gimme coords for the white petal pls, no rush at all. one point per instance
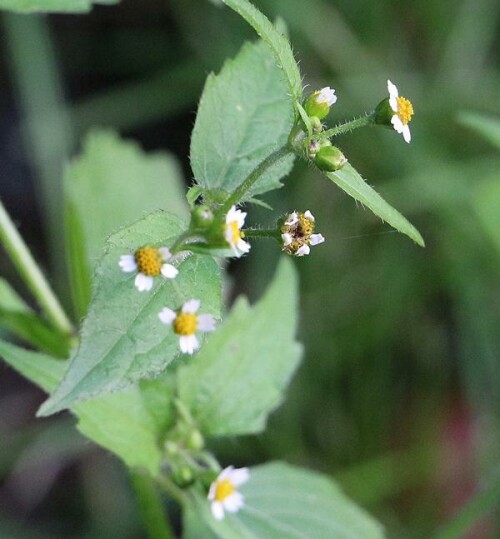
(127, 263)
(315, 239)
(165, 253)
(211, 491)
(239, 476)
(169, 271)
(397, 123)
(309, 215)
(217, 510)
(304, 250)
(191, 306)
(292, 219)
(240, 220)
(406, 133)
(230, 215)
(287, 239)
(206, 322)
(326, 95)
(143, 282)
(167, 316)
(243, 246)
(392, 89)
(188, 344)
(226, 473)
(234, 502)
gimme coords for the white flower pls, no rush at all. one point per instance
(326, 95)
(186, 322)
(235, 219)
(223, 494)
(149, 262)
(403, 111)
(297, 233)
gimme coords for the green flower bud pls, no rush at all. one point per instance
(330, 159)
(195, 440)
(318, 104)
(202, 217)
(183, 476)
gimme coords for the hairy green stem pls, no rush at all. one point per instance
(150, 507)
(237, 195)
(346, 127)
(31, 273)
(262, 233)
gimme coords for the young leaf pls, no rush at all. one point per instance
(244, 116)
(284, 501)
(120, 422)
(278, 43)
(240, 375)
(55, 6)
(98, 204)
(349, 180)
(122, 339)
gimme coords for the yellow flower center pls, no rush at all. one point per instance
(306, 225)
(405, 110)
(223, 489)
(185, 324)
(235, 231)
(149, 261)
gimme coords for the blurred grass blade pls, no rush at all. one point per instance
(483, 124)
(52, 6)
(481, 504)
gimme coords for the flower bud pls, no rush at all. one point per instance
(202, 217)
(330, 159)
(195, 441)
(318, 104)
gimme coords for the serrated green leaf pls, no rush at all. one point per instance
(55, 6)
(282, 501)
(113, 183)
(484, 124)
(240, 375)
(349, 180)
(244, 115)
(122, 339)
(277, 41)
(121, 422)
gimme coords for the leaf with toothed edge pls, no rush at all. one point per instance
(350, 181)
(122, 339)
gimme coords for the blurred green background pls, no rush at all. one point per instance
(398, 396)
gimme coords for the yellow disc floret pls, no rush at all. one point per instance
(149, 261)
(185, 324)
(235, 233)
(405, 110)
(223, 489)
(306, 225)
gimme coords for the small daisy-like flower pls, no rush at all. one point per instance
(402, 109)
(297, 233)
(223, 495)
(186, 323)
(149, 262)
(235, 219)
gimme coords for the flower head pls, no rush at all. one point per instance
(148, 262)
(235, 219)
(319, 102)
(186, 323)
(223, 494)
(402, 111)
(297, 233)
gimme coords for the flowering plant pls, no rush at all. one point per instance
(154, 395)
